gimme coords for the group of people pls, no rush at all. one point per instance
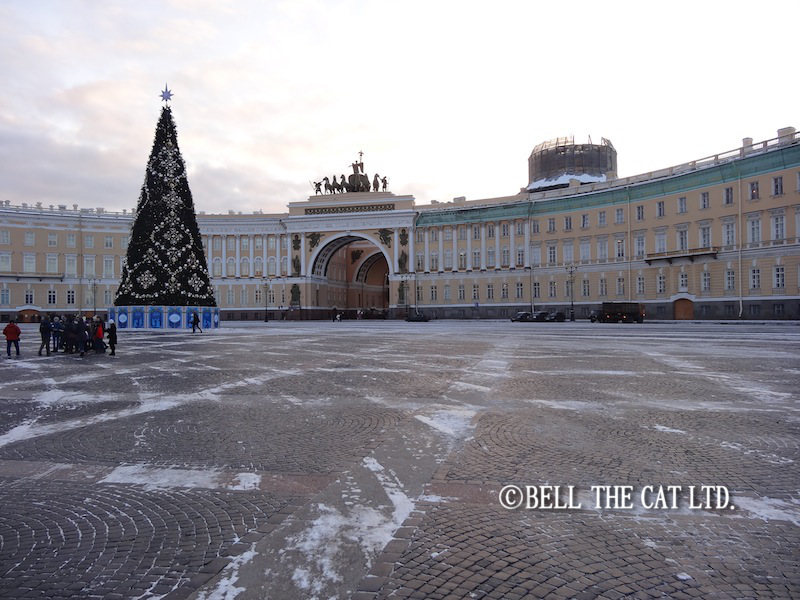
(68, 334)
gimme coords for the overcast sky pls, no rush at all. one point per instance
(445, 98)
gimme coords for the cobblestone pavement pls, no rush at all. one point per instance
(365, 460)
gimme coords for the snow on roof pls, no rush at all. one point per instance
(564, 180)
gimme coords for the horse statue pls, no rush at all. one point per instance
(338, 184)
(329, 189)
(376, 183)
(358, 183)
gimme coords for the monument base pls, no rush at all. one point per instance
(163, 318)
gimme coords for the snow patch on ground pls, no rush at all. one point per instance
(667, 429)
(155, 478)
(568, 404)
(246, 481)
(770, 508)
(225, 588)
(454, 422)
(769, 457)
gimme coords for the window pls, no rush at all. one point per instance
(51, 297)
(52, 240)
(777, 186)
(258, 241)
(230, 267)
(640, 213)
(243, 301)
(448, 234)
(30, 238)
(108, 241)
(638, 242)
(270, 243)
(505, 256)
(619, 216)
(705, 236)
(755, 310)
(258, 267)
(108, 267)
(705, 281)
(230, 297)
(123, 242)
(586, 250)
(601, 218)
(5, 236)
(419, 293)
(490, 258)
(71, 240)
(777, 310)
(551, 225)
(476, 232)
(52, 263)
(602, 249)
(567, 223)
(108, 298)
(755, 279)
(536, 289)
(434, 261)
(536, 255)
(730, 310)
(661, 284)
(569, 251)
(620, 244)
(520, 256)
(476, 291)
(420, 261)
(462, 292)
(683, 239)
(681, 205)
(753, 190)
(5, 262)
(728, 196)
(70, 296)
(584, 221)
(603, 287)
(640, 284)
(778, 227)
(683, 282)
(729, 233)
(730, 280)
(462, 260)
(778, 277)
(284, 242)
(5, 296)
(244, 244)
(504, 291)
(476, 259)
(230, 244)
(660, 208)
(552, 289)
(520, 227)
(88, 241)
(704, 201)
(88, 266)
(620, 286)
(462, 233)
(447, 295)
(754, 231)
(257, 296)
(490, 230)
(71, 266)
(535, 225)
(504, 230)
(490, 291)
(29, 263)
(551, 254)
(661, 241)
(585, 287)
(518, 290)
(568, 288)
(29, 296)
(448, 259)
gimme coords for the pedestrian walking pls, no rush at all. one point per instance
(111, 332)
(44, 330)
(196, 322)
(98, 333)
(82, 335)
(57, 328)
(12, 333)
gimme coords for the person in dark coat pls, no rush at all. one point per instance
(98, 332)
(83, 335)
(57, 329)
(45, 327)
(111, 332)
(12, 334)
(196, 322)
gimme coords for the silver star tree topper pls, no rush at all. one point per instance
(166, 95)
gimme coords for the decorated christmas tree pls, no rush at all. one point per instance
(165, 264)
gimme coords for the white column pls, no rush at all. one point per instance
(238, 255)
(224, 255)
(441, 249)
(412, 258)
(426, 235)
(303, 254)
(264, 245)
(278, 255)
(512, 258)
(455, 248)
(469, 247)
(527, 244)
(483, 246)
(498, 259)
(252, 255)
(396, 244)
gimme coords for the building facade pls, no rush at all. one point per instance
(717, 238)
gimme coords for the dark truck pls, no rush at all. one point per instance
(614, 312)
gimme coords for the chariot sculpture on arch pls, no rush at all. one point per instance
(358, 181)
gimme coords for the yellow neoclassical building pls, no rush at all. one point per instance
(716, 238)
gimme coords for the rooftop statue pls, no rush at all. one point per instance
(357, 182)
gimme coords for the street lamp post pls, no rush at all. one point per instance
(571, 270)
(266, 301)
(94, 283)
(530, 273)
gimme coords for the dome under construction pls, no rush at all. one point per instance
(553, 164)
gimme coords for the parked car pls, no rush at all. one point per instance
(522, 317)
(594, 315)
(557, 315)
(419, 317)
(540, 315)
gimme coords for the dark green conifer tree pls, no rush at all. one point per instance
(165, 264)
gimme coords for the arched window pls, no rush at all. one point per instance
(420, 261)
(271, 266)
(505, 255)
(476, 259)
(285, 266)
(520, 256)
(434, 259)
(217, 267)
(462, 260)
(244, 269)
(490, 258)
(230, 268)
(258, 266)
(448, 259)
